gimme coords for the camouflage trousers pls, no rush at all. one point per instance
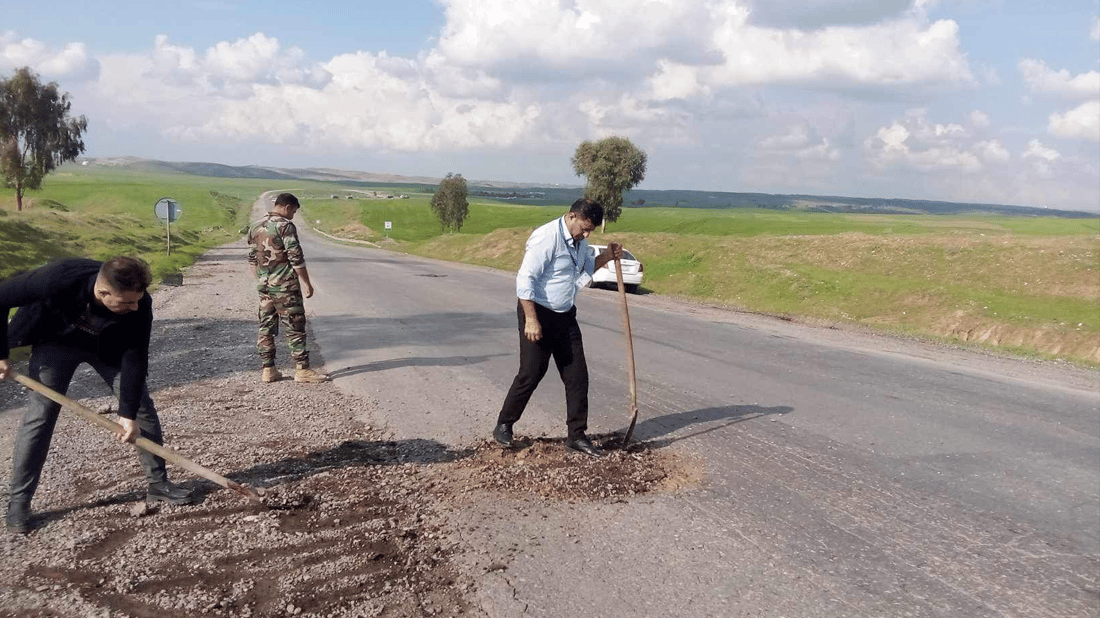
(288, 308)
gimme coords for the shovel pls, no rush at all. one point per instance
(142, 443)
(629, 354)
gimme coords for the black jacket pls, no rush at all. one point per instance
(51, 299)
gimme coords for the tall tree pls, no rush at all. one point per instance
(449, 203)
(36, 132)
(612, 166)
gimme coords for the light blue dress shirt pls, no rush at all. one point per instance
(552, 267)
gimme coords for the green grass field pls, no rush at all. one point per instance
(1023, 283)
(1029, 284)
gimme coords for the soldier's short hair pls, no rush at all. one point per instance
(287, 199)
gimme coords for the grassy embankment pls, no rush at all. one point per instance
(1027, 285)
(105, 213)
(101, 212)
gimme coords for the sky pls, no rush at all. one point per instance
(989, 101)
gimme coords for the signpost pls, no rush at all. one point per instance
(168, 210)
(389, 225)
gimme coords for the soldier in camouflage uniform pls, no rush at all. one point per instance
(282, 280)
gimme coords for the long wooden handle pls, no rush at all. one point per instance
(140, 442)
(629, 353)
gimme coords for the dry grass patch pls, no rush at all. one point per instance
(355, 231)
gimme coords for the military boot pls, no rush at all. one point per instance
(307, 375)
(271, 374)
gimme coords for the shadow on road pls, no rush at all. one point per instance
(353, 260)
(414, 361)
(348, 454)
(360, 333)
(651, 428)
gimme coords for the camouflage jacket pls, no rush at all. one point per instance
(274, 253)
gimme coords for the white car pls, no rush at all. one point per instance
(632, 271)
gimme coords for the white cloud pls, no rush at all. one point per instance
(370, 102)
(933, 132)
(630, 116)
(258, 59)
(979, 119)
(988, 74)
(675, 81)
(1041, 158)
(1081, 122)
(901, 52)
(687, 46)
(69, 63)
(816, 14)
(821, 151)
(893, 139)
(992, 151)
(797, 136)
(801, 143)
(917, 143)
(1040, 78)
(579, 38)
(1036, 150)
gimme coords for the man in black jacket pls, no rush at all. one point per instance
(75, 311)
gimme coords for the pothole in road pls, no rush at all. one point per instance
(544, 467)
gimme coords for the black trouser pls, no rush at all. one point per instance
(54, 365)
(561, 338)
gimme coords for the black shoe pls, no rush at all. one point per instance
(18, 519)
(583, 445)
(503, 435)
(166, 491)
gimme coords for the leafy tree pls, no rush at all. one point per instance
(36, 132)
(612, 166)
(449, 203)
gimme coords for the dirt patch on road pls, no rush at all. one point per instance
(545, 468)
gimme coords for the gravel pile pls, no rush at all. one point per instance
(352, 523)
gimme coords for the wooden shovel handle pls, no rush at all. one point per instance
(140, 442)
(629, 353)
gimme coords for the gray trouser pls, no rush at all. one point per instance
(54, 365)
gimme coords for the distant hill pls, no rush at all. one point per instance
(217, 170)
(520, 193)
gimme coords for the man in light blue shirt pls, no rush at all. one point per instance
(557, 257)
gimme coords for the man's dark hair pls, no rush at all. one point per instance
(126, 274)
(588, 209)
(287, 199)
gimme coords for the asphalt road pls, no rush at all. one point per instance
(845, 474)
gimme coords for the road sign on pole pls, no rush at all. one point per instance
(168, 210)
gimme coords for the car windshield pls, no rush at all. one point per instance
(598, 249)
